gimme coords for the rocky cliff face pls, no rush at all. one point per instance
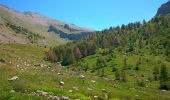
(164, 9)
(71, 34)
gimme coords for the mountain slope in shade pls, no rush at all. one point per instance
(164, 9)
(31, 27)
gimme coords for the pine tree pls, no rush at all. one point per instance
(123, 76)
(138, 64)
(103, 72)
(125, 64)
(117, 75)
(155, 73)
(164, 77)
(100, 65)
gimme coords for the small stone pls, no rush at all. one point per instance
(2, 61)
(95, 97)
(82, 77)
(70, 91)
(93, 81)
(104, 90)
(146, 80)
(12, 91)
(75, 88)
(65, 98)
(54, 98)
(163, 90)
(44, 93)
(61, 83)
(89, 89)
(136, 95)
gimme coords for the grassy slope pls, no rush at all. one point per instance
(148, 62)
(50, 38)
(36, 78)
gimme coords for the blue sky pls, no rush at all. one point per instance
(94, 14)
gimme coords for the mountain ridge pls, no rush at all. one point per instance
(37, 24)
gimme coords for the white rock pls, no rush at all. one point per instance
(64, 98)
(75, 88)
(136, 95)
(14, 78)
(54, 98)
(82, 77)
(163, 90)
(61, 83)
(70, 91)
(12, 91)
(147, 80)
(96, 97)
(93, 81)
(44, 93)
(89, 89)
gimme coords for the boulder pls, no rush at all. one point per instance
(14, 78)
(38, 92)
(81, 77)
(96, 97)
(10, 62)
(61, 83)
(41, 93)
(75, 88)
(53, 98)
(12, 91)
(65, 98)
(146, 80)
(93, 81)
(90, 89)
(164, 90)
(38, 65)
(2, 61)
(70, 91)
(104, 90)
(44, 93)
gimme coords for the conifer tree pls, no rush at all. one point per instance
(164, 77)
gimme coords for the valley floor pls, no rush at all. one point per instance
(25, 75)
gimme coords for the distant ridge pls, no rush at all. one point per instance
(29, 27)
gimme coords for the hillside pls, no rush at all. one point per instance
(40, 79)
(164, 9)
(133, 54)
(31, 27)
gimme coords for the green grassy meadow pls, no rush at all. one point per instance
(20, 60)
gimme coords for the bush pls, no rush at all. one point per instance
(19, 86)
(50, 55)
(141, 83)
